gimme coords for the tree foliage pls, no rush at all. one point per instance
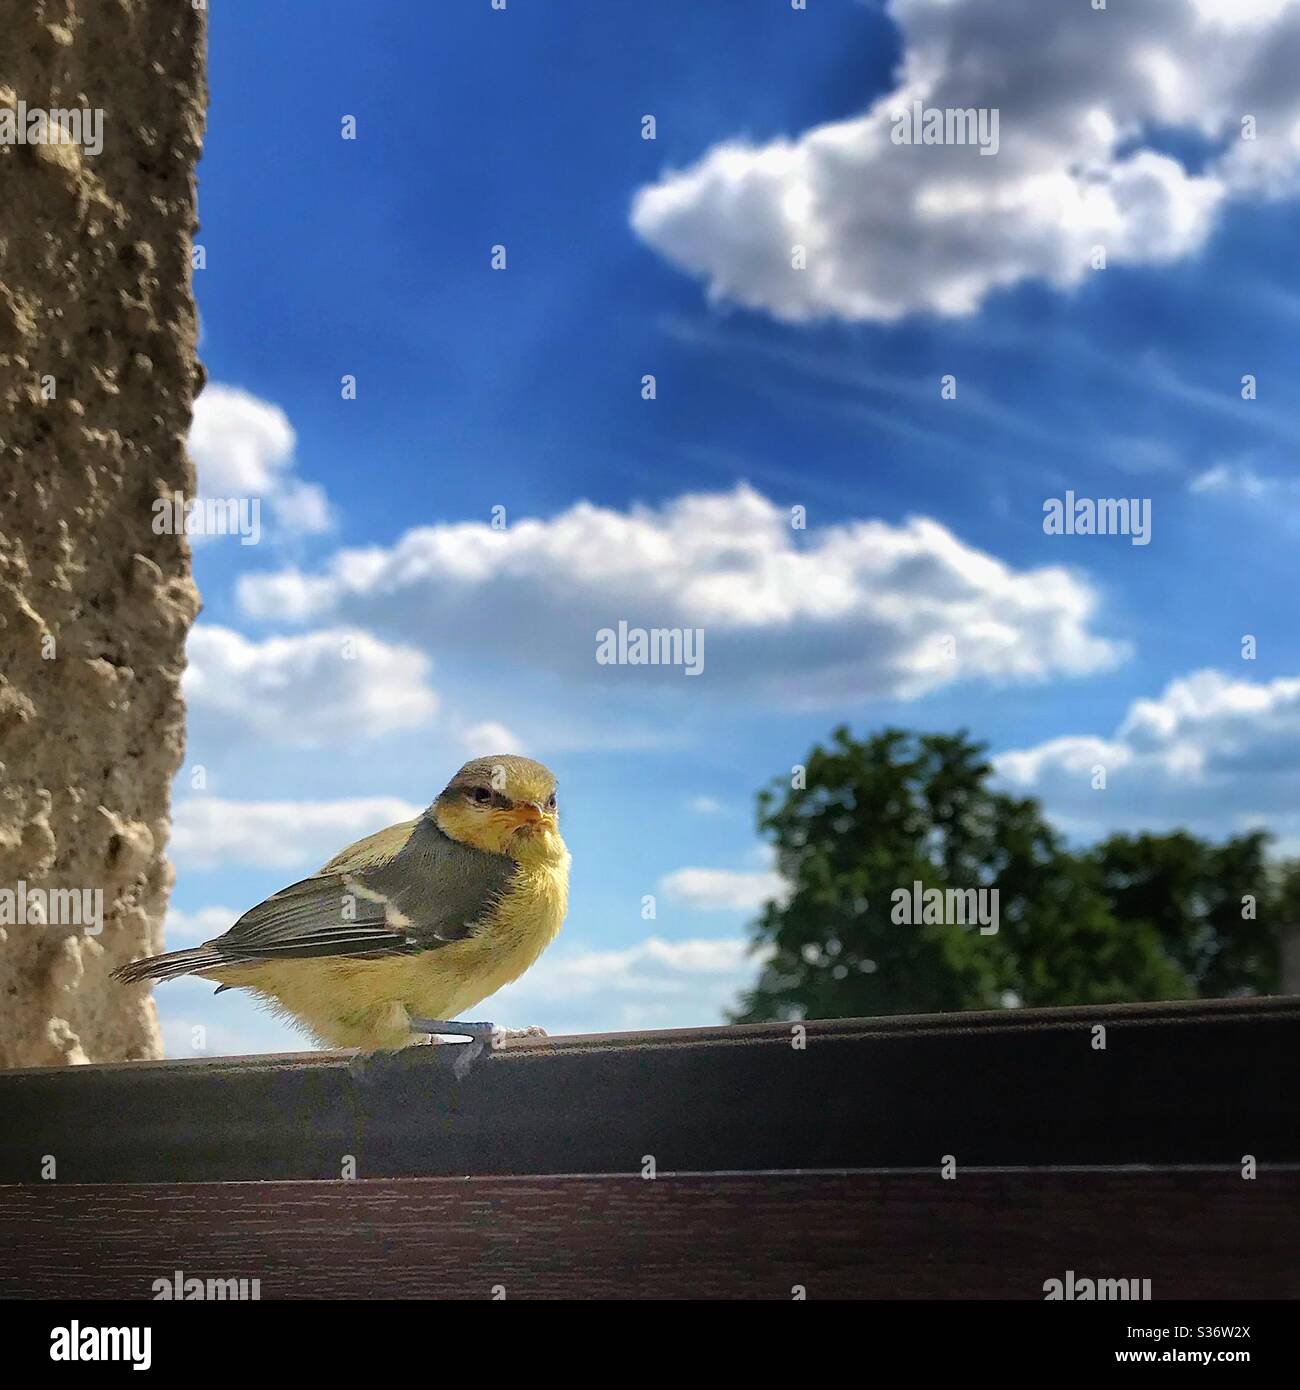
(1132, 918)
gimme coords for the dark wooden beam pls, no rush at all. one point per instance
(1176, 1084)
(890, 1235)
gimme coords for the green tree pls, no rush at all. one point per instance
(1216, 908)
(1153, 918)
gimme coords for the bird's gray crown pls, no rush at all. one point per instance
(520, 778)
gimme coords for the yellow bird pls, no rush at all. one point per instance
(408, 927)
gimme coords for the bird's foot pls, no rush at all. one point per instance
(481, 1037)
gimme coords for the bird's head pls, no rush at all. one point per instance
(505, 805)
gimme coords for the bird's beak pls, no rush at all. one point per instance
(527, 813)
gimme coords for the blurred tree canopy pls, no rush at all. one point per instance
(1134, 917)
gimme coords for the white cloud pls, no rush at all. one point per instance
(857, 609)
(243, 447)
(1242, 482)
(705, 805)
(891, 229)
(482, 740)
(309, 690)
(654, 984)
(724, 890)
(191, 928)
(196, 1022)
(651, 966)
(208, 832)
(1213, 753)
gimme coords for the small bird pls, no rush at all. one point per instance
(403, 930)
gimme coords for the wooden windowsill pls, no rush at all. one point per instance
(1176, 1084)
(968, 1155)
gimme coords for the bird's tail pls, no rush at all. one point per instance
(170, 965)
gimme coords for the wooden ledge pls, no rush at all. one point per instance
(1177, 1085)
(691, 1236)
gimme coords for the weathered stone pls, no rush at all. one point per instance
(97, 377)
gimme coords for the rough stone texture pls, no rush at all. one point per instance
(94, 608)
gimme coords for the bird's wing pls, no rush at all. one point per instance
(409, 888)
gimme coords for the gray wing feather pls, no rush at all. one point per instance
(430, 892)
(442, 886)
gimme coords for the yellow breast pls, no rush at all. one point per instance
(527, 919)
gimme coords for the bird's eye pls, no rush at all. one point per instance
(481, 794)
(550, 802)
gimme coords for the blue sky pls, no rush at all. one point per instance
(381, 631)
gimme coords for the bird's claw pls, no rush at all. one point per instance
(481, 1037)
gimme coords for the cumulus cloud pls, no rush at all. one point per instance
(724, 890)
(653, 984)
(862, 608)
(482, 740)
(308, 690)
(191, 928)
(891, 229)
(187, 1030)
(652, 965)
(1213, 753)
(209, 832)
(242, 447)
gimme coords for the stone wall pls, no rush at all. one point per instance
(97, 376)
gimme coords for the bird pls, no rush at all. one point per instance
(400, 932)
